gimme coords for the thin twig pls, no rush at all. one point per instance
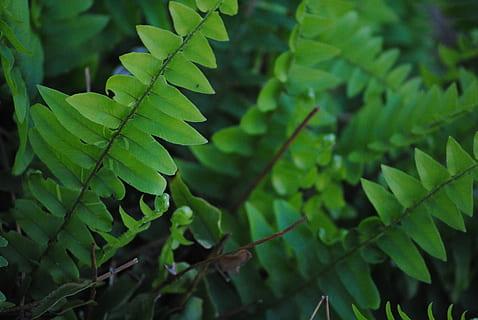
(114, 271)
(272, 236)
(217, 257)
(245, 195)
(316, 310)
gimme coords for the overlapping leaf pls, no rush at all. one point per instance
(92, 144)
(407, 212)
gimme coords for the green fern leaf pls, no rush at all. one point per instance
(92, 143)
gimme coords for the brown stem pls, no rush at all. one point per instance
(272, 236)
(245, 195)
(114, 271)
(217, 257)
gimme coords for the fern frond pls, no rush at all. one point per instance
(281, 105)
(133, 226)
(181, 219)
(404, 316)
(56, 25)
(407, 211)
(91, 143)
(398, 125)
(344, 270)
(407, 113)
(283, 102)
(19, 49)
(405, 219)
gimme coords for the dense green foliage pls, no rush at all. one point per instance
(116, 206)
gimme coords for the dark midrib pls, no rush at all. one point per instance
(373, 238)
(117, 133)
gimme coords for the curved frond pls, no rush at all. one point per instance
(403, 316)
(93, 143)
